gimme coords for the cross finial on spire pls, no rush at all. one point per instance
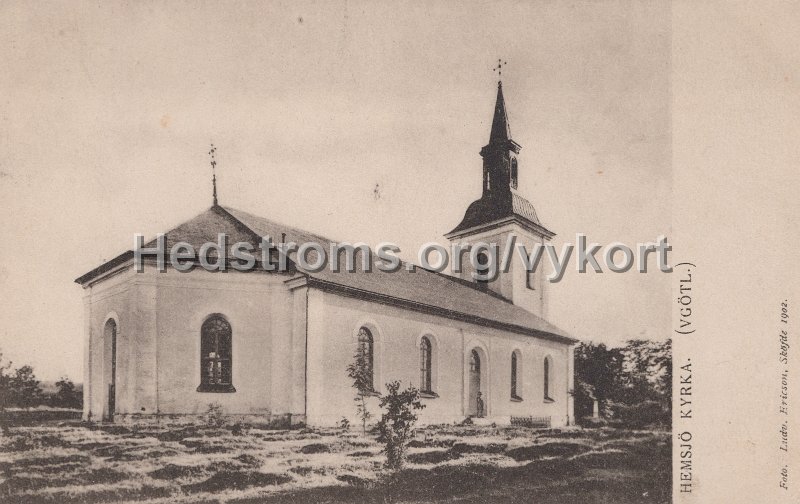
(212, 153)
(499, 68)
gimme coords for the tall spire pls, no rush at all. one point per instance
(500, 199)
(212, 153)
(500, 130)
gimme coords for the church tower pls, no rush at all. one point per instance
(500, 212)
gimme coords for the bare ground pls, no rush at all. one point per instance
(72, 462)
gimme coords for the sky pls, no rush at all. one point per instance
(359, 121)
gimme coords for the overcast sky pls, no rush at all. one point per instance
(107, 112)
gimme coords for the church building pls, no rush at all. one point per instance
(274, 345)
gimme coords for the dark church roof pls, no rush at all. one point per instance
(420, 290)
(498, 207)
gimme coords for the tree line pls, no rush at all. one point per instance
(19, 388)
(631, 384)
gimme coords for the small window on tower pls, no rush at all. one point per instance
(483, 262)
(531, 279)
(514, 173)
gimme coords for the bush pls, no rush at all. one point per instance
(641, 415)
(215, 417)
(315, 448)
(24, 390)
(237, 429)
(591, 422)
(67, 395)
(360, 371)
(397, 423)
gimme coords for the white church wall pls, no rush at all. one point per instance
(298, 383)
(513, 284)
(185, 301)
(397, 332)
(159, 316)
(320, 358)
(281, 323)
(109, 300)
(142, 327)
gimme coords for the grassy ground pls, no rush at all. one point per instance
(71, 462)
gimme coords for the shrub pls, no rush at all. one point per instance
(638, 416)
(360, 371)
(344, 424)
(24, 388)
(592, 423)
(397, 423)
(67, 395)
(315, 448)
(214, 416)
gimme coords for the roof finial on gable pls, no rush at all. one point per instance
(212, 153)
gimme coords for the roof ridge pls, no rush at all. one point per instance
(298, 230)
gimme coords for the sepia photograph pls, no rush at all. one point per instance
(348, 251)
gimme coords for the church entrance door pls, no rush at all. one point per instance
(477, 405)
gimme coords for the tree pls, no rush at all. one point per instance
(5, 383)
(396, 426)
(648, 371)
(361, 373)
(598, 371)
(25, 388)
(67, 396)
(633, 383)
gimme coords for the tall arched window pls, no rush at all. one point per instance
(216, 356)
(547, 369)
(110, 365)
(515, 381)
(366, 346)
(425, 366)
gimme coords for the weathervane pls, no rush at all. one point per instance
(499, 68)
(212, 153)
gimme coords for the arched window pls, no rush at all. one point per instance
(514, 173)
(515, 374)
(547, 369)
(366, 347)
(216, 356)
(110, 358)
(425, 366)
